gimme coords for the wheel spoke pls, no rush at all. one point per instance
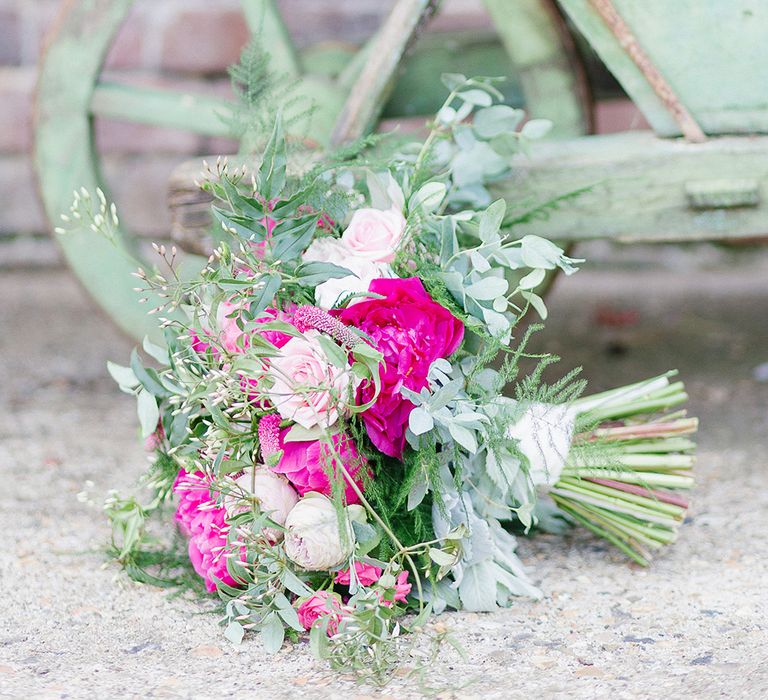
(385, 54)
(178, 110)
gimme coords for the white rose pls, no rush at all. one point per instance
(307, 389)
(374, 234)
(313, 540)
(276, 498)
(326, 249)
(544, 433)
(365, 271)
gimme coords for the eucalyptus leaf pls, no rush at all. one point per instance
(419, 421)
(476, 97)
(487, 288)
(234, 632)
(148, 412)
(497, 119)
(536, 128)
(272, 633)
(124, 376)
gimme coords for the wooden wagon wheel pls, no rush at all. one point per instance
(70, 94)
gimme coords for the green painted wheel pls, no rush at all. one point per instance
(350, 96)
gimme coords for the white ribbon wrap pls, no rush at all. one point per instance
(544, 433)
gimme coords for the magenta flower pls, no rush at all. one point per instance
(305, 464)
(204, 523)
(411, 330)
(366, 574)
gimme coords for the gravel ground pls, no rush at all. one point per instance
(694, 625)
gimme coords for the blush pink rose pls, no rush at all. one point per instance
(374, 234)
(366, 574)
(319, 606)
(307, 388)
(204, 523)
(304, 465)
(411, 330)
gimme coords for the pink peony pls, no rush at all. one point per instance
(366, 575)
(412, 331)
(320, 605)
(304, 465)
(204, 523)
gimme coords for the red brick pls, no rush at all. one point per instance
(21, 210)
(10, 38)
(127, 49)
(16, 86)
(616, 115)
(204, 41)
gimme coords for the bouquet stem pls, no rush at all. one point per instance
(627, 464)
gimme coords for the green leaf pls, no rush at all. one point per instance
(148, 377)
(441, 558)
(124, 376)
(234, 632)
(537, 303)
(272, 632)
(464, 436)
(271, 176)
(536, 128)
(290, 239)
(294, 584)
(157, 352)
(290, 618)
(243, 227)
(299, 433)
(532, 279)
(488, 288)
(497, 119)
(311, 274)
(490, 221)
(318, 639)
(148, 412)
(366, 537)
(264, 295)
(335, 355)
(476, 97)
(537, 252)
(420, 422)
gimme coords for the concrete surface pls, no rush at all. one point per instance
(693, 626)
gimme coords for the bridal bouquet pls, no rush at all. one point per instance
(338, 414)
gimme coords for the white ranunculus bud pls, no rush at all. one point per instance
(544, 433)
(276, 497)
(313, 539)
